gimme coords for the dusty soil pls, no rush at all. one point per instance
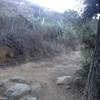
(46, 72)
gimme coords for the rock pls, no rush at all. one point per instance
(28, 98)
(64, 80)
(78, 82)
(19, 80)
(17, 91)
(3, 98)
(2, 88)
(67, 87)
(36, 89)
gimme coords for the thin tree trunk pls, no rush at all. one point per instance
(92, 91)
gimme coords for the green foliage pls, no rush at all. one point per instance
(35, 33)
(27, 40)
(88, 45)
(70, 29)
(86, 62)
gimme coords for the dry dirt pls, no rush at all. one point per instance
(46, 72)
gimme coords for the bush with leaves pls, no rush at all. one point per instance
(88, 34)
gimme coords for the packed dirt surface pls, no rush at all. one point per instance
(46, 72)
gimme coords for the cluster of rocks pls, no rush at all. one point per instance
(72, 82)
(64, 80)
(17, 88)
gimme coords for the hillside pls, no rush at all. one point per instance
(23, 24)
(32, 12)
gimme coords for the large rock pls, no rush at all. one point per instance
(36, 89)
(2, 88)
(64, 80)
(19, 80)
(17, 91)
(28, 98)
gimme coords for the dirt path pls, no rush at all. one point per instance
(46, 72)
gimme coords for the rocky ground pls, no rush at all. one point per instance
(42, 80)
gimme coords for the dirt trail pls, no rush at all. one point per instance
(46, 72)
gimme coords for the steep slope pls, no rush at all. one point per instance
(23, 27)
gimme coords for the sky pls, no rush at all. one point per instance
(57, 5)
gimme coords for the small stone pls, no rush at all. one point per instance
(3, 98)
(28, 98)
(17, 91)
(64, 80)
(19, 80)
(67, 87)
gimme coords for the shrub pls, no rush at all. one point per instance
(87, 46)
(25, 40)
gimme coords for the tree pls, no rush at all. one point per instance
(92, 91)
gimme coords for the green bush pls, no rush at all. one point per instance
(88, 36)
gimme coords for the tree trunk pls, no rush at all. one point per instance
(92, 91)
